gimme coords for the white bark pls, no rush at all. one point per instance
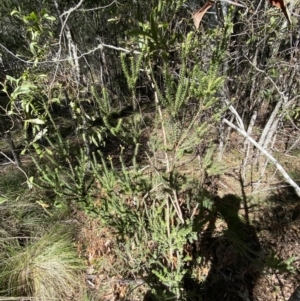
(247, 147)
(271, 120)
(72, 47)
(268, 155)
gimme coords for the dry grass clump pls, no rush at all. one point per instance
(46, 268)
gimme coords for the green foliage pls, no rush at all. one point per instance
(168, 261)
(70, 179)
(279, 264)
(46, 268)
(37, 28)
(154, 37)
(133, 71)
(112, 120)
(28, 103)
(142, 204)
(36, 257)
(193, 85)
(145, 210)
(142, 210)
(120, 187)
(92, 148)
(155, 208)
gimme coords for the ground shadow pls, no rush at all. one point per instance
(235, 255)
(237, 265)
(279, 221)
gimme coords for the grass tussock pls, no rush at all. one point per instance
(47, 268)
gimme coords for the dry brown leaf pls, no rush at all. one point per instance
(198, 15)
(281, 5)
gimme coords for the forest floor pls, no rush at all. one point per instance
(273, 210)
(270, 210)
(272, 213)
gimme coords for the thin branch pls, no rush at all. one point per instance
(268, 77)
(55, 61)
(119, 48)
(235, 113)
(233, 3)
(11, 161)
(69, 11)
(96, 8)
(15, 56)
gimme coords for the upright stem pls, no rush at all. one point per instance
(162, 126)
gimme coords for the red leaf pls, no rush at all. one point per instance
(198, 15)
(280, 4)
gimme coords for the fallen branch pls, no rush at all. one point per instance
(268, 155)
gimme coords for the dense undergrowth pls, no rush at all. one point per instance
(124, 188)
